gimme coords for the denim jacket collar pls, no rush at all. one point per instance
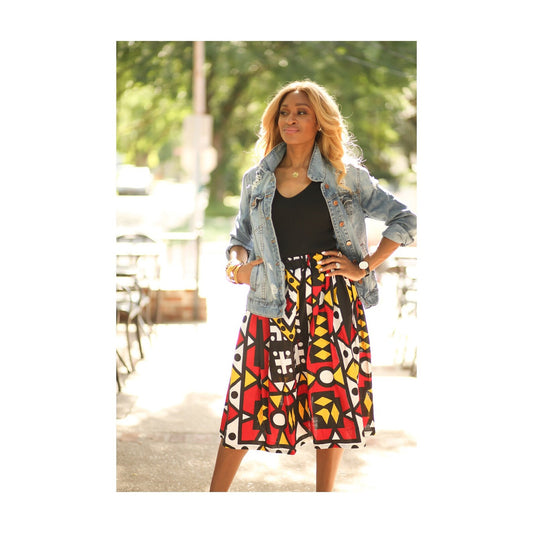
(316, 170)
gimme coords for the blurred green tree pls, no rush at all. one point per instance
(374, 83)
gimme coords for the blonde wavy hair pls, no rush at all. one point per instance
(334, 140)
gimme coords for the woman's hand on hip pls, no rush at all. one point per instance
(245, 272)
(336, 264)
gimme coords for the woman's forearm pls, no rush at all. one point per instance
(238, 253)
(384, 250)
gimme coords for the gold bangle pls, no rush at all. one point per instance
(236, 272)
(231, 270)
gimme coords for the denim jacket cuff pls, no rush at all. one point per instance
(235, 242)
(398, 234)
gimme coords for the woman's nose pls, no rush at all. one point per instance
(291, 118)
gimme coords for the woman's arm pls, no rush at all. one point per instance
(384, 250)
(239, 254)
(379, 204)
(240, 245)
(241, 235)
(351, 270)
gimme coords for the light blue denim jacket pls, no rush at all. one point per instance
(348, 208)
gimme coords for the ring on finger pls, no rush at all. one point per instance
(339, 253)
(337, 266)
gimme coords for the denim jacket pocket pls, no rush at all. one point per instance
(346, 198)
(257, 216)
(258, 288)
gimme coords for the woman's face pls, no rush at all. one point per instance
(297, 120)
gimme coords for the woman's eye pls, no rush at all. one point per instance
(299, 112)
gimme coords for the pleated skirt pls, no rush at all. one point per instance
(305, 377)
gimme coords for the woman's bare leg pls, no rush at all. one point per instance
(226, 466)
(327, 464)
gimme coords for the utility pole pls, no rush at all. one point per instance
(199, 157)
(199, 99)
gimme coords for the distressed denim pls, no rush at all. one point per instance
(348, 207)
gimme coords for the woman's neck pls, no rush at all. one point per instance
(297, 156)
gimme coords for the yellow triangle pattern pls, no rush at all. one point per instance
(327, 299)
(320, 319)
(339, 378)
(276, 399)
(353, 371)
(234, 376)
(249, 379)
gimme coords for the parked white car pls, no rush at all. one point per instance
(134, 180)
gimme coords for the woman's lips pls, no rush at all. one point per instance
(291, 130)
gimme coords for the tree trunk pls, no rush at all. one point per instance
(217, 187)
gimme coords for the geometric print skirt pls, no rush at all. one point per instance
(305, 377)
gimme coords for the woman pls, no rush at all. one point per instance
(302, 368)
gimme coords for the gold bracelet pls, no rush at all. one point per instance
(231, 270)
(236, 272)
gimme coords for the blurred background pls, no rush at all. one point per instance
(373, 82)
(187, 120)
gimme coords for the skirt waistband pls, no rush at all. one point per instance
(302, 261)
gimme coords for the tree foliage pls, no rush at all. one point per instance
(374, 83)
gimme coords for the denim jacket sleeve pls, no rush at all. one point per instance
(379, 204)
(241, 235)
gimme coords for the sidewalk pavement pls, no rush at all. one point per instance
(169, 410)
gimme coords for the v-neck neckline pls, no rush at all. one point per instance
(297, 194)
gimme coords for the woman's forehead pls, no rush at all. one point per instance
(296, 98)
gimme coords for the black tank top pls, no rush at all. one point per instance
(302, 223)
